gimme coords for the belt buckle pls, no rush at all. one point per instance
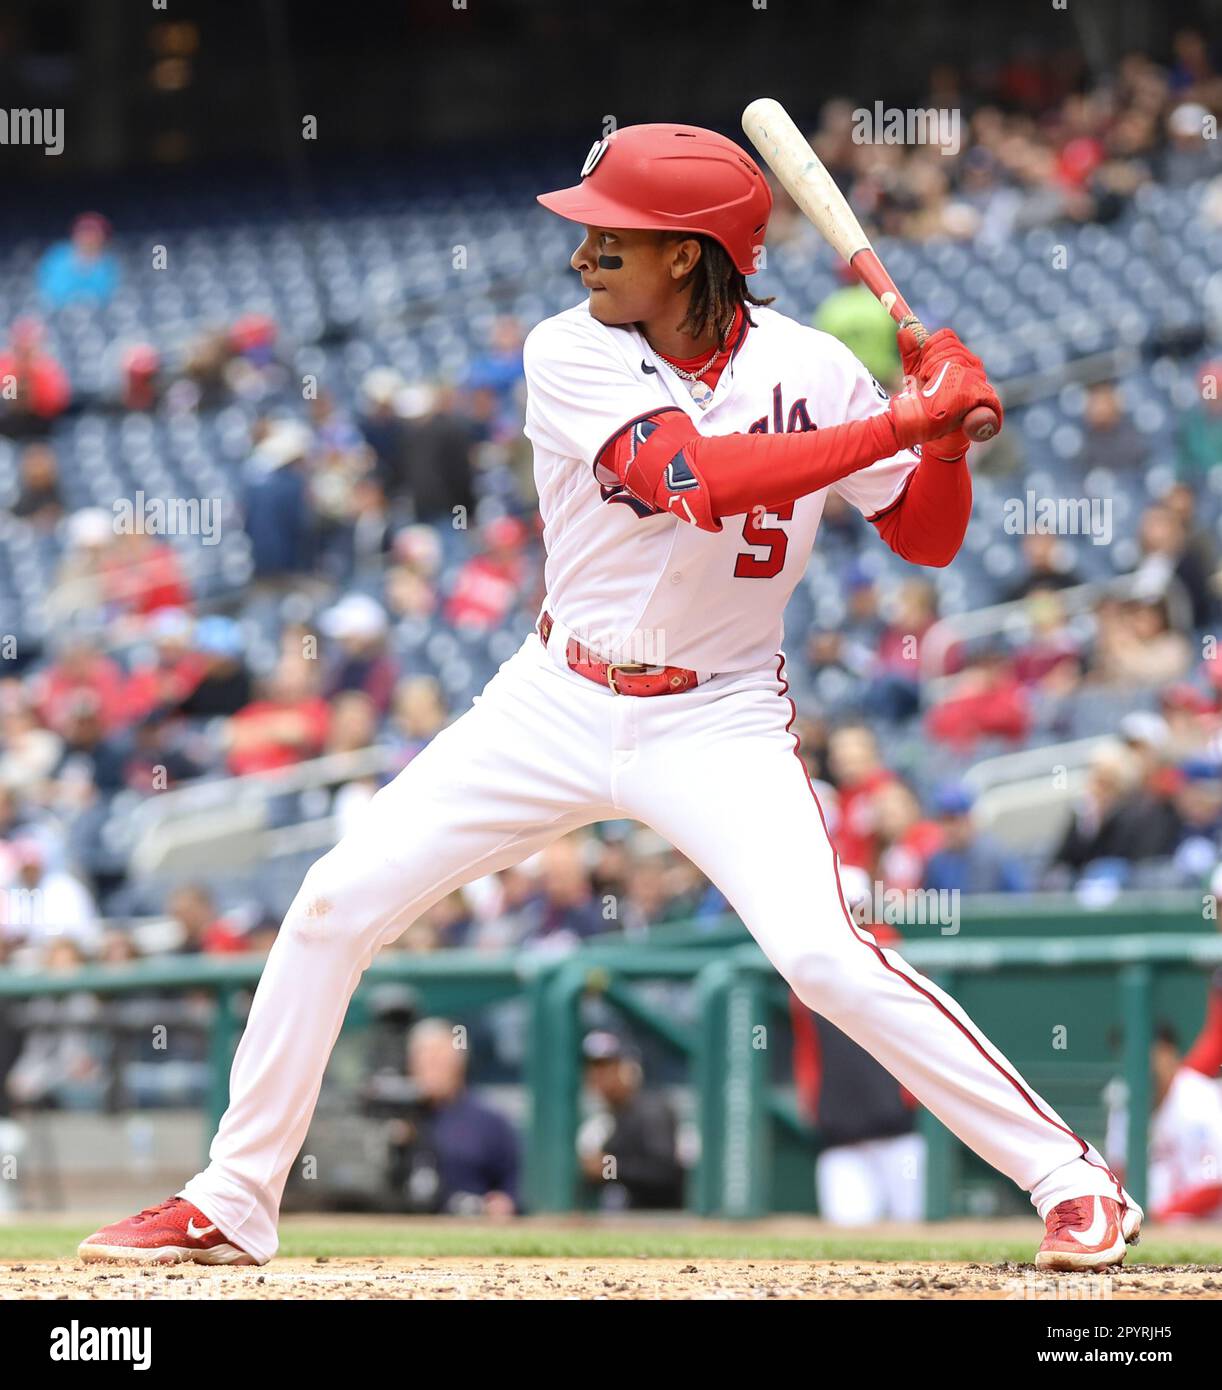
(631, 667)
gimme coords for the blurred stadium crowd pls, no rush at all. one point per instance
(328, 538)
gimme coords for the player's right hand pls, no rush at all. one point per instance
(923, 359)
(929, 409)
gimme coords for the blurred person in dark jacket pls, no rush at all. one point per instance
(1167, 553)
(383, 428)
(225, 683)
(1112, 820)
(565, 911)
(40, 500)
(358, 627)
(438, 473)
(630, 1152)
(449, 1152)
(1049, 566)
(279, 517)
(1111, 440)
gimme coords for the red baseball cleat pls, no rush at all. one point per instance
(171, 1233)
(1090, 1233)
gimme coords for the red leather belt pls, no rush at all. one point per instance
(619, 677)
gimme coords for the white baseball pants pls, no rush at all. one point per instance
(874, 1180)
(542, 752)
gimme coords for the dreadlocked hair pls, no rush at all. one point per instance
(718, 288)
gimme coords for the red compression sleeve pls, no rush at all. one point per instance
(666, 463)
(1205, 1054)
(1195, 1201)
(927, 524)
(744, 471)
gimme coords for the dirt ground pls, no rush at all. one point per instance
(459, 1277)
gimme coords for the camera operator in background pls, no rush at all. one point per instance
(448, 1152)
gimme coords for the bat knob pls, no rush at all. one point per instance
(981, 423)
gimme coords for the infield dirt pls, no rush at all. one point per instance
(466, 1277)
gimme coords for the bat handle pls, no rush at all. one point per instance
(919, 331)
(981, 422)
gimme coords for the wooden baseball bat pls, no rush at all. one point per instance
(788, 154)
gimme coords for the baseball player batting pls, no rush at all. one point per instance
(686, 436)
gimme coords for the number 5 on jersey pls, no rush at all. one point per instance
(774, 539)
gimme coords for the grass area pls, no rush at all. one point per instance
(415, 1240)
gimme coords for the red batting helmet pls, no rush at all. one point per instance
(672, 178)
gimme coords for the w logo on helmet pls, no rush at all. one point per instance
(597, 150)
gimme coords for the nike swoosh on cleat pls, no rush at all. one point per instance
(198, 1233)
(1094, 1233)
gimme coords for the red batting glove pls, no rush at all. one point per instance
(923, 361)
(924, 411)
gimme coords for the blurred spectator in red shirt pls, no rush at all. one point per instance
(489, 583)
(287, 725)
(34, 388)
(906, 839)
(141, 574)
(987, 701)
(81, 670)
(175, 669)
(858, 774)
(138, 369)
(1050, 644)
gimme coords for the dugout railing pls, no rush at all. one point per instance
(1070, 1011)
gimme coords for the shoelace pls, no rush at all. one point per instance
(1071, 1215)
(160, 1207)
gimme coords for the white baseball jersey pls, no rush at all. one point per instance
(628, 579)
(1186, 1137)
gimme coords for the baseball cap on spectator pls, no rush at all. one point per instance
(89, 527)
(354, 616)
(252, 332)
(1202, 770)
(381, 385)
(286, 441)
(951, 799)
(170, 625)
(856, 578)
(1188, 120)
(415, 400)
(1142, 726)
(217, 635)
(604, 1046)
